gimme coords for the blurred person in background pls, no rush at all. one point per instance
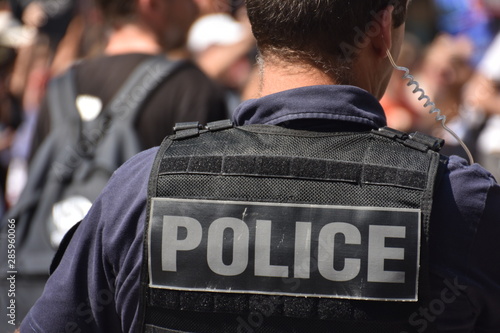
(469, 18)
(9, 118)
(422, 21)
(85, 37)
(222, 44)
(443, 72)
(400, 109)
(483, 94)
(464, 30)
(139, 31)
(18, 53)
(50, 17)
(12, 36)
(31, 74)
(37, 62)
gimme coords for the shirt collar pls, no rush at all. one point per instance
(328, 102)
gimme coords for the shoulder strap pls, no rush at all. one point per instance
(61, 97)
(141, 84)
(127, 103)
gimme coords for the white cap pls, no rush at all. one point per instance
(215, 29)
(12, 33)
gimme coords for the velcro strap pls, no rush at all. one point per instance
(298, 168)
(286, 306)
(156, 329)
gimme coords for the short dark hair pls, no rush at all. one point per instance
(325, 33)
(117, 11)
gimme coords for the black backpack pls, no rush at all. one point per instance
(70, 169)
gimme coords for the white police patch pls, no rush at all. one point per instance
(284, 249)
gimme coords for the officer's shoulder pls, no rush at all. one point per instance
(134, 170)
(470, 187)
(460, 168)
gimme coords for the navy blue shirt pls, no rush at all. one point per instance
(96, 286)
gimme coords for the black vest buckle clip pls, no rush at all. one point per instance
(417, 140)
(192, 129)
(219, 125)
(187, 130)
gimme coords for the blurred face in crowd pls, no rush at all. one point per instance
(170, 20)
(447, 61)
(213, 6)
(177, 18)
(173, 20)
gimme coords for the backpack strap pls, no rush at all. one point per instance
(141, 84)
(127, 103)
(61, 97)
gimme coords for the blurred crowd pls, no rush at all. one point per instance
(451, 49)
(41, 39)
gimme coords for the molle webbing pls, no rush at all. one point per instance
(275, 165)
(296, 168)
(364, 169)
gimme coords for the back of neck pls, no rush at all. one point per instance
(277, 77)
(131, 38)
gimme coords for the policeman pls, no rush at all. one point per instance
(309, 216)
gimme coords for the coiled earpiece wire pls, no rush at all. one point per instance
(439, 116)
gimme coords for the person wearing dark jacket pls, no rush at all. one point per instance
(141, 33)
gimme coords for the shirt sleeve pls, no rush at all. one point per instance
(465, 252)
(95, 288)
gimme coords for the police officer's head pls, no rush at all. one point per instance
(328, 34)
(170, 20)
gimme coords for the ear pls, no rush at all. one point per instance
(383, 41)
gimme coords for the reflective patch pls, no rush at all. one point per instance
(89, 107)
(284, 249)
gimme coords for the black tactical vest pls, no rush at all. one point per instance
(266, 229)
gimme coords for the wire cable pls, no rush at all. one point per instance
(439, 116)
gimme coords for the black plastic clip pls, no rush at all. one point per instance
(187, 130)
(219, 125)
(432, 142)
(392, 133)
(417, 140)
